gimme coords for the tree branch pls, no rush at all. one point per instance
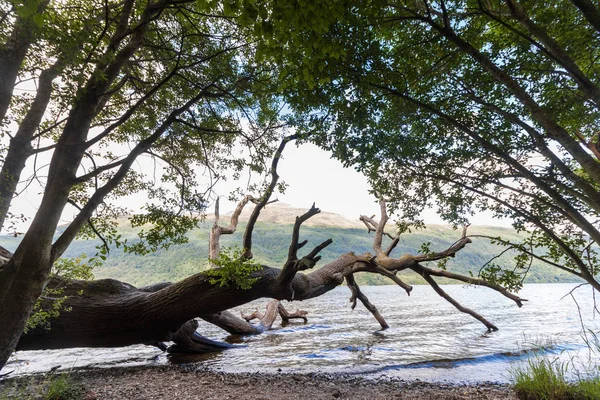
(459, 307)
(63, 241)
(264, 199)
(357, 294)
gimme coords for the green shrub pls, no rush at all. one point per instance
(232, 269)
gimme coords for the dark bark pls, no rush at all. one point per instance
(112, 313)
(20, 145)
(12, 55)
(231, 323)
(187, 340)
(590, 11)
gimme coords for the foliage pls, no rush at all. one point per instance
(461, 106)
(172, 93)
(231, 269)
(101, 100)
(165, 229)
(51, 302)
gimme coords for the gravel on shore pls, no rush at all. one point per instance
(177, 382)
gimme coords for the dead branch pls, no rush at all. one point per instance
(187, 340)
(392, 246)
(267, 319)
(264, 199)
(231, 323)
(251, 317)
(217, 230)
(372, 227)
(294, 245)
(382, 264)
(394, 278)
(286, 315)
(357, 294)
(459, 307)
(449, 252)
(270, 315)
(474, 281)
(293, 264)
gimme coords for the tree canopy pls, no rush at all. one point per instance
(463, 106)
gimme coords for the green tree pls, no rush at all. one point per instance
(466, 106)
(171, 79)
(79, 80)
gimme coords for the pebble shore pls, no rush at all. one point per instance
(181, 382)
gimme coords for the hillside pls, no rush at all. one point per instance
(271, 241)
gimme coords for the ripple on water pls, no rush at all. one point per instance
(428, 338)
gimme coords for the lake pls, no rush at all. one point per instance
(428, 339)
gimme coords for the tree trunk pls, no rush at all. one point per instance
(12, 54)
(24, 287)
(110, 313)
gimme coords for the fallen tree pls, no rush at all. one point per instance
(109, 313)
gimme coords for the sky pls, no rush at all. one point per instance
(312, 176)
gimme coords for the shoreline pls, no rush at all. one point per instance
(190, 382)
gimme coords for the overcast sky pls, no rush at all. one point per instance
(311, 174)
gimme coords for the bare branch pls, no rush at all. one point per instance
(69, 234)
(459, 307)
(449, 252)
(293, 264)
(264, 199)
(294, 246)
(473, 281)
(286, 316)
(217, 230)
(394, 277)
(357, 294)
(380, 228)
(372, 225)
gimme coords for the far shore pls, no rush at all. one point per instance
(187, 382)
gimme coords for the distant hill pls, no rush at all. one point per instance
(271, 241)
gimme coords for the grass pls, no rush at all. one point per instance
(543, 379)
(48, 387)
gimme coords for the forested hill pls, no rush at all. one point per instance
(270, 245)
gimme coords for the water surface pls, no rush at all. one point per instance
(428, 338)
